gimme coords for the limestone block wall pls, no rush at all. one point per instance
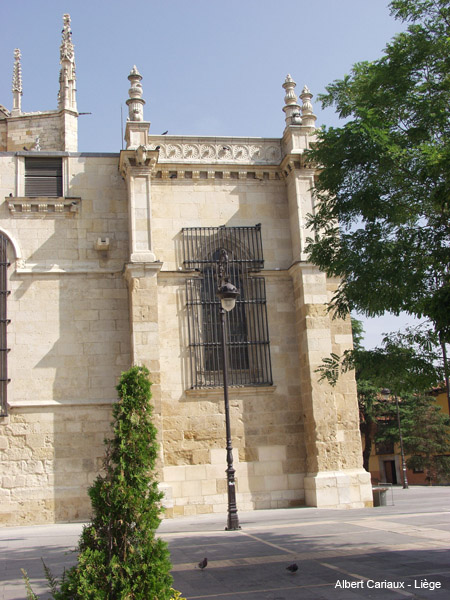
(2, 134)
(56, 130)
(296, 441)
(69, 339)
(83, 309)
(68, 241)
(49, 456)
(8, 175)
(266, 423)
(182, 203)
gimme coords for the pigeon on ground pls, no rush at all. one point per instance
(202, 564)
(292, 568)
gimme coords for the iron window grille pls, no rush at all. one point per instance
(247, 335)
(4, 321)
(43, 177)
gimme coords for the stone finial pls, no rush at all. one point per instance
(67, 77)
(291, 108)
(17, 83)
(135, 102)
(308, 117)
(66, 50)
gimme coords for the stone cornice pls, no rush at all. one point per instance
(42, 207)
(171, 172)
(217, 150)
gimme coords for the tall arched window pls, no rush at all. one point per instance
(4, 293)
(247, 335)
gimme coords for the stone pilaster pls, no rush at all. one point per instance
(299, 182)
(142, 280)
(136, 168)
(335, 477)
(136, 165)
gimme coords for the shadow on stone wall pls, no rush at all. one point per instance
(71, 343)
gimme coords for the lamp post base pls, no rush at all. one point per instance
(233, 520)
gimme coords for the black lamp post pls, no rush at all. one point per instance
(386, 394)
(227, 293)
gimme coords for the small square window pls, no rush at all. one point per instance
(43, 177)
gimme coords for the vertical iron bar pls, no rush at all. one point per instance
(262, 323)
(3, 324)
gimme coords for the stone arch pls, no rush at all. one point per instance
(14, 244)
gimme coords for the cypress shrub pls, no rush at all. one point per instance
(119, 555)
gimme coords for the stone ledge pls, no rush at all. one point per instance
(69, 403)
(233, 391)
(42, 207)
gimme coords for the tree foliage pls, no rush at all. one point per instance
(119, 555)
(382, 218)
(408, 364)
(425, 432)
(405, 362)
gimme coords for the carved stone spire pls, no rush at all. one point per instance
(308, 117)
(135, 101)
(17, 84)
(291, 108)
(136, 132)
(67, 79)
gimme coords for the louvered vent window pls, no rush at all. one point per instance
(4, 293)
(43, 177)
(247, 335)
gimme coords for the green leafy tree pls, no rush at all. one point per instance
(406, 363)
(382, 218)
(120, 557)
(368, 394)
(425, 432)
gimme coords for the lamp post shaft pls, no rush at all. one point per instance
(402, 452)
(233, 520)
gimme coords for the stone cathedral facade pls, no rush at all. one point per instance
(109, 260)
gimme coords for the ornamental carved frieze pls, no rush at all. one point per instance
(260, 153)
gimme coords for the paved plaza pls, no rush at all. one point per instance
(400, 550)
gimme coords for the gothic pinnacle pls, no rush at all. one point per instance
(17, 83)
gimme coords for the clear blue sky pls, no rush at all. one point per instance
(210, 67)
